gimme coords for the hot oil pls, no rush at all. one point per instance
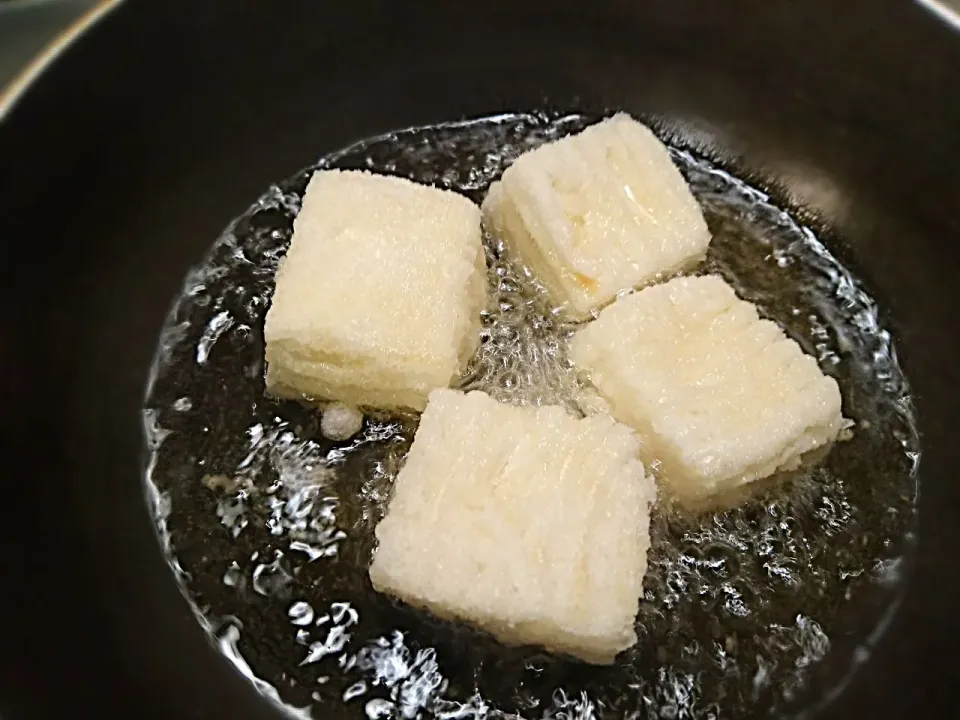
(269, 527)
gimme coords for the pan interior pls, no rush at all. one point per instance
(269, 527)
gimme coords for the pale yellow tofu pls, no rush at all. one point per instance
(718, 396)
(523, 521)
(596, 213)
(378, 299)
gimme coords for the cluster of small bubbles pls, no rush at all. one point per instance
(579, 707)
(269, 524)
(334, 629)
(411, 681)
(473, 708)
(522, 358)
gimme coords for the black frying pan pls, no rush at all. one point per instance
(125, 161)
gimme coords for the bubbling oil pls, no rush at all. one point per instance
(768, 606)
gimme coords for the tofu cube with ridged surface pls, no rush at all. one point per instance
(596, 213)
(524, 521)
(378, 299)
(718, 396)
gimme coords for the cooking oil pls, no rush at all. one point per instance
(268, 526)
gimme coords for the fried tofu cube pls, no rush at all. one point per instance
(378, 299)
(596, 213)
(718, 396)
(524, 521)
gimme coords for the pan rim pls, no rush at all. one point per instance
(944, 12)
(28, 76)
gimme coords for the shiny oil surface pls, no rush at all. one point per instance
(269, 527)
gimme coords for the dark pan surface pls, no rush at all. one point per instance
(113, 187)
